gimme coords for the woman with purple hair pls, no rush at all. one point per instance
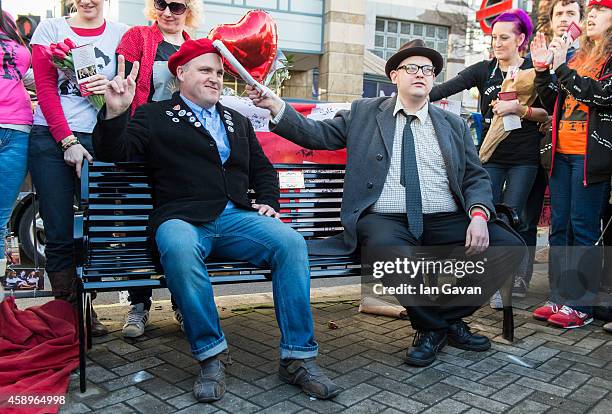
(513, 164)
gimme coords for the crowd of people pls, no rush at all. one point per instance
(413, 176)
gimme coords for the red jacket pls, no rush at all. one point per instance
(140, 44)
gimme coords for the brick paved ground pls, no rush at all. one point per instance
(545, 370)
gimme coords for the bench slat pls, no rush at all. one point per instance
(115, 218)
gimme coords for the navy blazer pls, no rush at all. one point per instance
(189, 181)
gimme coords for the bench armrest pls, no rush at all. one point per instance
(508, 214)
(80, 245)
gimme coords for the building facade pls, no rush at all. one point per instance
(337, 47)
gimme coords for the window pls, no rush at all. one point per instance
(375, 86)
(392, 34)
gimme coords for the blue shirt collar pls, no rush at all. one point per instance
(197, 108)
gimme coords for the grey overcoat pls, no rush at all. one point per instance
(367, 131)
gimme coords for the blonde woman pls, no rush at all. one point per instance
(152, 46)
(60, 139)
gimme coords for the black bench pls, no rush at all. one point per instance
(113, 252)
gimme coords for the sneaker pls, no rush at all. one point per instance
(608, 327)
(519, 290)
(136, 320)
(178, 318)
(570, 318)
(544, 312)
(496, 301)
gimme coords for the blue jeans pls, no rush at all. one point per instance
(57, 186)
(511, 185)
(240, 235)
(13, 168)
(575, 210)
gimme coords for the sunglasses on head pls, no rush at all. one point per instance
(175, 8)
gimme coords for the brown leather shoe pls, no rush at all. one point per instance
(210, 384)
(309, 376)
(97, 327)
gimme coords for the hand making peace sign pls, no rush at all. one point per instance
(121, 90)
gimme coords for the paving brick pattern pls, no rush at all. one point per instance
(545, 370)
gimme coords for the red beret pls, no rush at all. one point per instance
(189, 50)
(603, 3)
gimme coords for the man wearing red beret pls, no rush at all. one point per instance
(204, 158)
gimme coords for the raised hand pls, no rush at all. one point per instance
(121, 90)
(270, 101)
(559, 49)
(539, 52)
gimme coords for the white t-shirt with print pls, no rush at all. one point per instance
(79, 112)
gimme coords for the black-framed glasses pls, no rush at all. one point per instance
(412, 69)
(175, 7)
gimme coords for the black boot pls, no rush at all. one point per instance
(63, 285)
(459, 336)
(425, 346)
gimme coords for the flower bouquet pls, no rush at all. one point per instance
(61, 55)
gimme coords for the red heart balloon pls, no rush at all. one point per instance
(253, 41)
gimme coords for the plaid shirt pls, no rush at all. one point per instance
(436, 196)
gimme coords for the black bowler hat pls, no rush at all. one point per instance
(414, 47)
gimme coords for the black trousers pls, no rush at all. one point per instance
(389, 236)
(531, 217)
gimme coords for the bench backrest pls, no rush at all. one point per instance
(116, 200)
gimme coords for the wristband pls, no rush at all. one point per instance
(479, 214)
(65, 144)
(529, 112)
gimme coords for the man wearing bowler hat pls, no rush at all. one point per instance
(413, 178)
(204, 158)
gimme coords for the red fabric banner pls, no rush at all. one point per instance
(38, 350)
